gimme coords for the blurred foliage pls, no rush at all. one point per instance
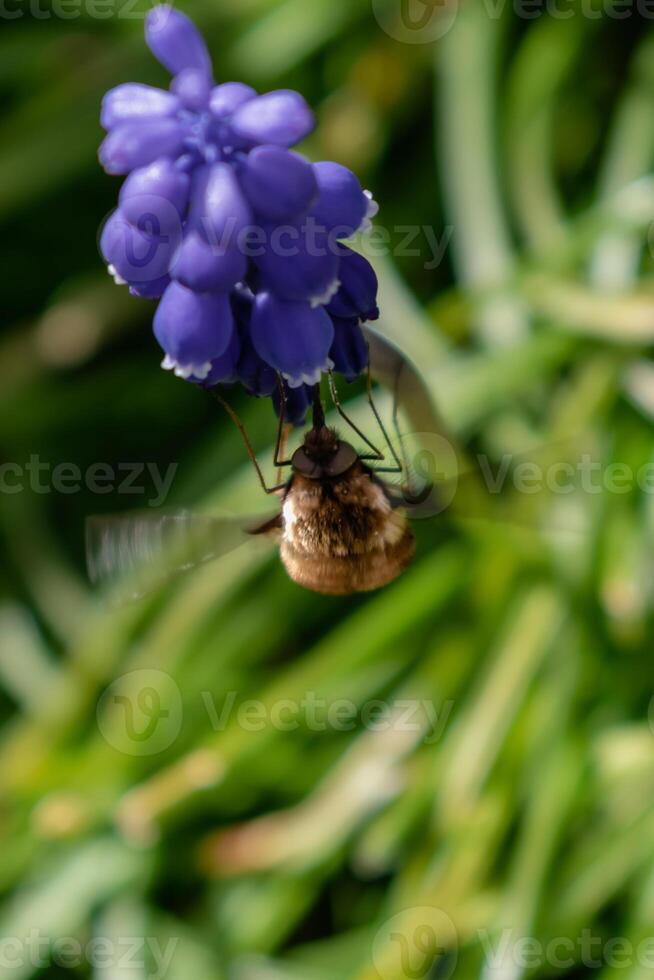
(281, 855)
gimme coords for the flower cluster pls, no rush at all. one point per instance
(239, 238)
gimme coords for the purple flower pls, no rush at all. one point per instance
(135, 144)
(193, 329)
(135, 256)
(297, 270)
(175, 41)
(342, 205)
(293, 338)
(280, 185)
(193, 89)
(349, 351)
(158, 192)
(226, 98)
(134, 102)
(219, 208)
(297, 402)
(223, 368)
(209, 172)
(150, 290)
(207, 268)
(357, 293)
(282, 118)
(256, 376)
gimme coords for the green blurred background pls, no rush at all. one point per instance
(524, 137)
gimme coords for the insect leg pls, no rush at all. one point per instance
(282, 431)
(248, 445)
(282, 450)
(402, 466)
(377, 454)
(398, 467)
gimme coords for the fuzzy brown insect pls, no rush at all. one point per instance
(338, 530)
(341, 528)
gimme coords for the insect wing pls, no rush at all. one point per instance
(431, 460)
(393, 369)
(139, 551)
(441, 476)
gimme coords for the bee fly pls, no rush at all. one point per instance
(341, 528)
(339, 532)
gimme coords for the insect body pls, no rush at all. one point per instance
(338, 528)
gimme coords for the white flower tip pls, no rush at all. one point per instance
(186, 371)
(114, 275)
(324, 298)
(308, 377)
(372, 210)
(292, 381)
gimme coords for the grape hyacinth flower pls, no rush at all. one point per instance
(238, 237)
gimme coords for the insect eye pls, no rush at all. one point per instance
(302, 463)
(344, 458)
